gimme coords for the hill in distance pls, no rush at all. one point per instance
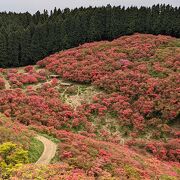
(112, 108)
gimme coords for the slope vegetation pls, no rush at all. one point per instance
(113, 106)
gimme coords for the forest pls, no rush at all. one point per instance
(27, 38)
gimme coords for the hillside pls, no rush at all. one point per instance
(26, 38)
(111, 107)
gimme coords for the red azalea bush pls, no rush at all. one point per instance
(29, 68)
(30, 76)
(168, 151)
(54, 82)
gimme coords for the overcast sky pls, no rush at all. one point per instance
(34, 5)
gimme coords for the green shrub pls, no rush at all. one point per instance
(11, 157)
(166, 177)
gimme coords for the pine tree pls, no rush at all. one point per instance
(3, 51)
(26, 48)
(14, 48)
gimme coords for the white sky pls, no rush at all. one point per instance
(35, 5)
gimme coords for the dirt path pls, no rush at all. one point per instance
(49, 150)
(7, 85)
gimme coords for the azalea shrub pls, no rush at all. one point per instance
(25, 76)
(168, 151)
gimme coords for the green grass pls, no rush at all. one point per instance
(166, 177)
(35, 150)
(175, 43)
(56, 158)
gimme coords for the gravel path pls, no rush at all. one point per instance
(7, 85)
(49, 150)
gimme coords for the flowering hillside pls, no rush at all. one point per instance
(142, 69)
(91, 159)
(113, 106)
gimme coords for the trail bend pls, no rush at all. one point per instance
(49, 150)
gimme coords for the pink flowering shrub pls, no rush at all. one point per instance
(92, 61)
(30, 76)
(29, 68)
(54, 81)
(168, 151)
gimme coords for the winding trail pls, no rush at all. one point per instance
(49, 146)
(49, 150)
(7, 85)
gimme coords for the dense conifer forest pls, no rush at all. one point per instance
(26, 38)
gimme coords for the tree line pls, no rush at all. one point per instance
(27, 38)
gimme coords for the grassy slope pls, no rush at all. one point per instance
(35, 150)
